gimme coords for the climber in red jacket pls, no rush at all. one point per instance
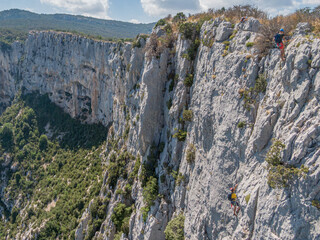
(280, 41)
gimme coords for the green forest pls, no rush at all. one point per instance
(45, 191)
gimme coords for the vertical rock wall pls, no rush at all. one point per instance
(113, 83)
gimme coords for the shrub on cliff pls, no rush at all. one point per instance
(249, 44)
(98, 211)
(179, 17)
(241, 124)
(187, 115)
(154, 47)
(191, 154)
(187, 30)
(175, 228)
(116, 167)
(188, 81)
(274, 154)
(180, 135)
(150, 191)
(161, 22)
(121, 216)
(281, 174)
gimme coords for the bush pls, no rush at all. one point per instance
(191, 154)
(145, 210)
(136, 43)
(150, 191)
(241, 124)
(179, 17)
(134, 173)
(249, 44)
(6, 136)
(274, 154)
(279, 173)
(188, 81)
(175, 228)
(168, 29)
(187, 30)
(250, 95)
(247, 198)
(180, 135)
(316, 203)
(154, 47)
(161, 22)
(208, 41)
(187, 115)
(260, 84)
(178, 177)
(128, 67)
(116, 167)
(118, 235)
(120, 216)
(225, 53)
(192, 50)
(98, 208)
(226, 43)
(43, 142)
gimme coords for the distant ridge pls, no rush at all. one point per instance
(21, 20)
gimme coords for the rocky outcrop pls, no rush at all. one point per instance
(113, 83)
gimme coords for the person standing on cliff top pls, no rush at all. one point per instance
(279, 39)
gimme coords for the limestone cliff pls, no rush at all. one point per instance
(96, 81)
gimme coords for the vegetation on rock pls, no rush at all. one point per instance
(281, 174)
(191, 154)
(175, 228)
(181, 135)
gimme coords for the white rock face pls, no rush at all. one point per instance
(105, 82)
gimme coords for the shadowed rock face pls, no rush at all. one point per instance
(93, 81)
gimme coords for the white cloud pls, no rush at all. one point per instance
(313, 2)
(216, 4)
(92, 8)
(164, 7)
(262, 4)
(135, 21)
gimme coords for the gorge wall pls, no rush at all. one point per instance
(119, 85)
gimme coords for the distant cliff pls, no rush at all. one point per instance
(212, 120)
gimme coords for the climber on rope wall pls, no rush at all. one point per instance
(279, 39)
(232, 196)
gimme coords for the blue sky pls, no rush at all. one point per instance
(146, 10)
